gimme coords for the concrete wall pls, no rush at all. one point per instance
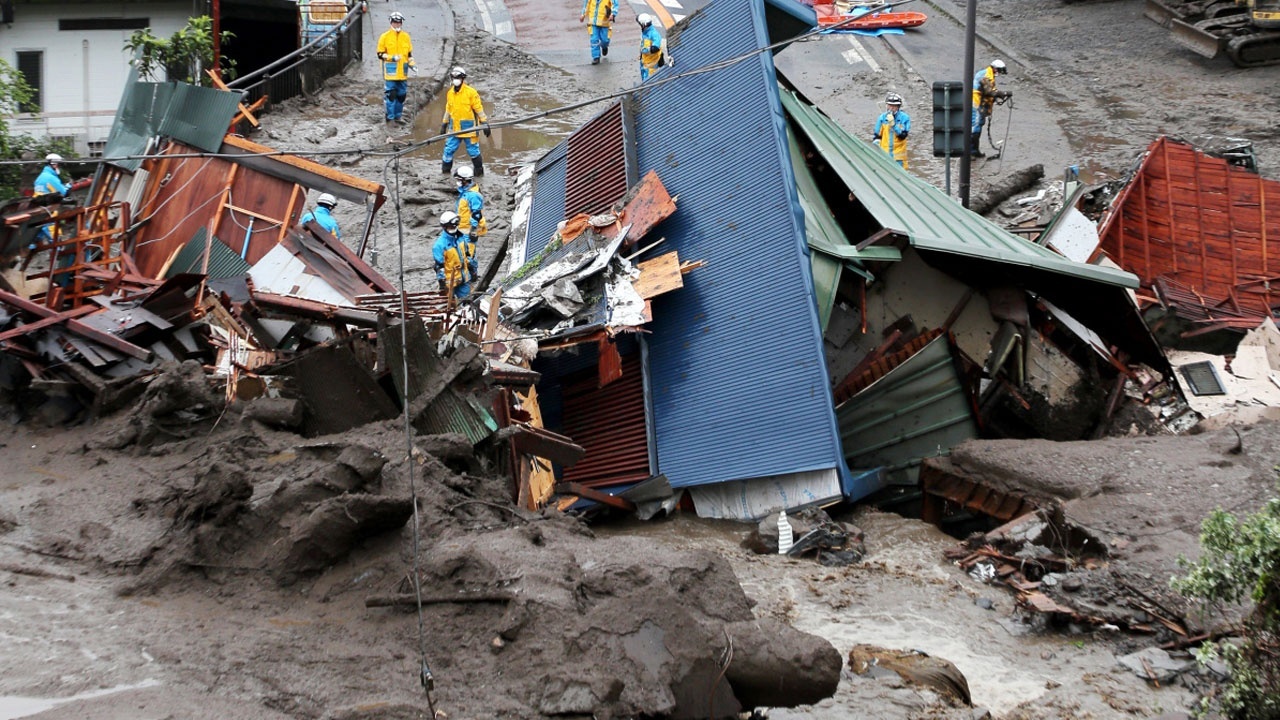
(83, 71)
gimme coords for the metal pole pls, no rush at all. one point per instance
(217, 38)
(970, 22)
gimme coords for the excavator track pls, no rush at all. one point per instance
(1255, 49)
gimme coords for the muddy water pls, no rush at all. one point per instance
(509, 145)
(904, 596)
(12, 706)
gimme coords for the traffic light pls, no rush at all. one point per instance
(948, 118)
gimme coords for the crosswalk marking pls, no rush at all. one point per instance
(857, 54)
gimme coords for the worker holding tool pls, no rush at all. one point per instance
(463, 110)
(395, 50)
(892, 128)
(470, 204)
(985, 96)
(650, 46)
(599, 16)
(322, 215)
(455, 257)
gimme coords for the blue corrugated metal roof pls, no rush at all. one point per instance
(548, 200)
(739, 381)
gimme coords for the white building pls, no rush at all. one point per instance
(73, 54)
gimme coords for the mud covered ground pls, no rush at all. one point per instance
(177, 573)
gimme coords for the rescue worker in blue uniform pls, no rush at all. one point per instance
(650, 46)
(599, 15)
(395, 50)
(322, 215)
(985, 95)
(455, 258)
(463, 110)
(470, 204)
(892, 128)
(49, 182)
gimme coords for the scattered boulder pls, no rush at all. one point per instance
(775, 665)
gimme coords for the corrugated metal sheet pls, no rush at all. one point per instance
(548, 200)
(597, 164)
(609, 423)
(223, 261)
(141, 108)
(917, 410)
(1203, 224)
(912, 207)
(738, 373)
(200, 116)
(454, 413)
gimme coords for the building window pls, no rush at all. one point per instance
(104, 24)
(96, 149)
(31, 64)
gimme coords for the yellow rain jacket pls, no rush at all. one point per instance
(463, 110)
(391, 44)
(984, 90)
(599, 12)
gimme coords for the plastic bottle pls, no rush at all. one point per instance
(785, 537)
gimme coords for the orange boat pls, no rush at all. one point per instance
(831, 14)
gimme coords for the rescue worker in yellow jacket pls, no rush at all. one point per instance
(985, 96)
(455, 257)
(599, 16)
(395, 50)
(892, 128)
(463, 111)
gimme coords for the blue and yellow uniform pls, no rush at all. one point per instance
(599, 16)
(650, 51)
(985, 95)
(324, 219)
(463, 111)
(49, 181)
(395, 50)
(891, 134)
(471, 211)
(455, 258)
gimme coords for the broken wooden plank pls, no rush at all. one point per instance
(46, 322)
(75, 326)
(659, 275)
(411, 600)
(546, 444)
(586, 493)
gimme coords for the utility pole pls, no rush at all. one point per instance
(217, 37)
(970, 21)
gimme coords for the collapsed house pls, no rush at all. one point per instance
(847, 320)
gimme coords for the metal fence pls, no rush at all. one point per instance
(303, 71)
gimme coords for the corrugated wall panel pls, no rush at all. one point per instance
(597, 165)
(737, 366)
(548, 200)
(609, 423)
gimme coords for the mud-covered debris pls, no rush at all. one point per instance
(337, 524)
(774, 665)
(915, 667)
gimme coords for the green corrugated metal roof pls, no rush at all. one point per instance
(451, 412)
(908, 205)
(823, 234)
(197, 116)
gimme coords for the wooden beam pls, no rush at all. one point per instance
(302, 164)
(586, 493)
(557, 448)
(46, 322)
(245, 113)
(77, 327)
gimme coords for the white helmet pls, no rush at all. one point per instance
(645, 19)
(53, 158)
(999, 66)
(458, 72)
(449, 220)
(327, 200)
(397, 17)
(466, 172)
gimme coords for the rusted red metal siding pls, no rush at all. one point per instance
(596, 174)
(609, 423)
(1201, 223)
